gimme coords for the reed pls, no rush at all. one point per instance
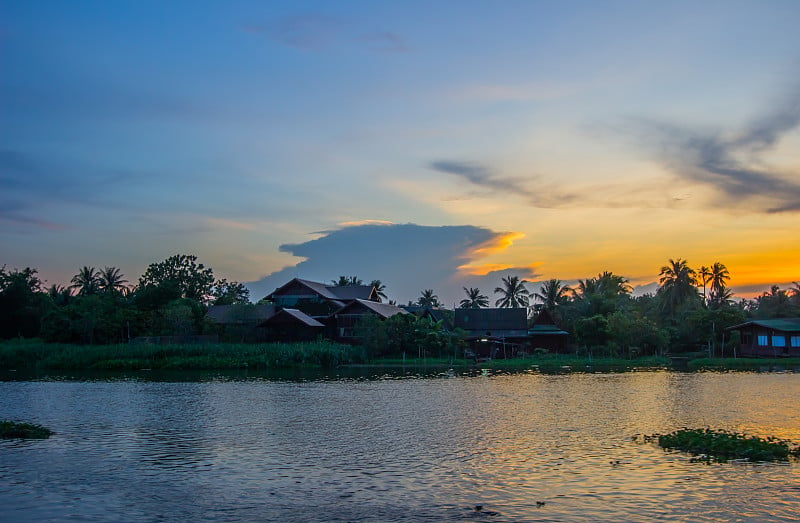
(26, 355)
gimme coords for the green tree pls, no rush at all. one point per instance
(226, 292)
(182, 275)
(513, 293)
(677, 285)
(87, 281)
(111, 281)
(718, 278)
(428, 299)
(22, 304)
(474, 299)
(552, 293)
(345, 281)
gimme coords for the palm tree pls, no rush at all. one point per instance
(428, 299)
(344, 281)
(513, 293)
(705, 274)
(474, 299)
(611, 284)
(678, 282)
(379, 288)
(60, 294)
(552, 293)
(718, 277)
(110, 280)
(795, 292)
(87, 281)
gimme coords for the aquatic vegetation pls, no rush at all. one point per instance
(715, 445)
(30, 355)
(15, 430)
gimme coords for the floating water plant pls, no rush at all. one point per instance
(14, 430)
(721, 445)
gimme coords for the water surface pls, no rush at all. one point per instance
(409, 449)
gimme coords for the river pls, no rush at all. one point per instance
(521, 447)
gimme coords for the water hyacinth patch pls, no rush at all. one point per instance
(14, 430)
(713, 445)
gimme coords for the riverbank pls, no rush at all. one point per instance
(32, 355)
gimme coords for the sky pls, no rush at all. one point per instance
(431, 145)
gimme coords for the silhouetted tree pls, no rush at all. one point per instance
(110, 280)
(513, 293)
(474, 299)
(428, 299)
(87, 281)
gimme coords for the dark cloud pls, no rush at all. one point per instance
(547, 195)
(406, 257)
(314, 32)
(731, 163)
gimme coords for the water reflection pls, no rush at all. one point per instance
(351, 449)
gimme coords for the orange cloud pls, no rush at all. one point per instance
(497, 244)
(487, 268)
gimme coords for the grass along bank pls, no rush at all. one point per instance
(34, 355)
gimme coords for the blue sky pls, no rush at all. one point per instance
(545, 139)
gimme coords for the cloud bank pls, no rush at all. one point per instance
(407, 258)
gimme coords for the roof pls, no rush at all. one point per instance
(332, 292)
(778, 324)
(384, 310)
(499, 319)
(241, 313)
(293, 315)
(352, 292)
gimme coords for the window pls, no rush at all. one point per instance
(795, 341)
(762, 340)
(779, 341)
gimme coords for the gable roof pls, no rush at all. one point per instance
(384, 310)
(778, 324)
(291, 316)
(331, 292)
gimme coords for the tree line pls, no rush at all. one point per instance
(690, 310)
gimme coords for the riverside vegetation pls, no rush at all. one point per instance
(689, 312)
(709, 445)
(20, 430)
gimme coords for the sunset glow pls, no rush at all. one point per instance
(542, 139)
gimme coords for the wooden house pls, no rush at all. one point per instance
(345, 320)
(317, 299)
(239, 322)
(545, 334)
(769, 338)
(291, 325)
(494, 333)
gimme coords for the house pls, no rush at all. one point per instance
(769, 338)
(291, 325)
(345, 320)
(493, 333)
(239, 322)
(317, 299)
(545, 334)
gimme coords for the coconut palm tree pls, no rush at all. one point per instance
(87, 281)
(795, 292)
(344, 281)
(428, 299)
(60, 294)
(552, 294)
(110, 280)
(705, 275)
(474, 299)
(379, 288)
(678, 284)
(718, 277)
(513, 293)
